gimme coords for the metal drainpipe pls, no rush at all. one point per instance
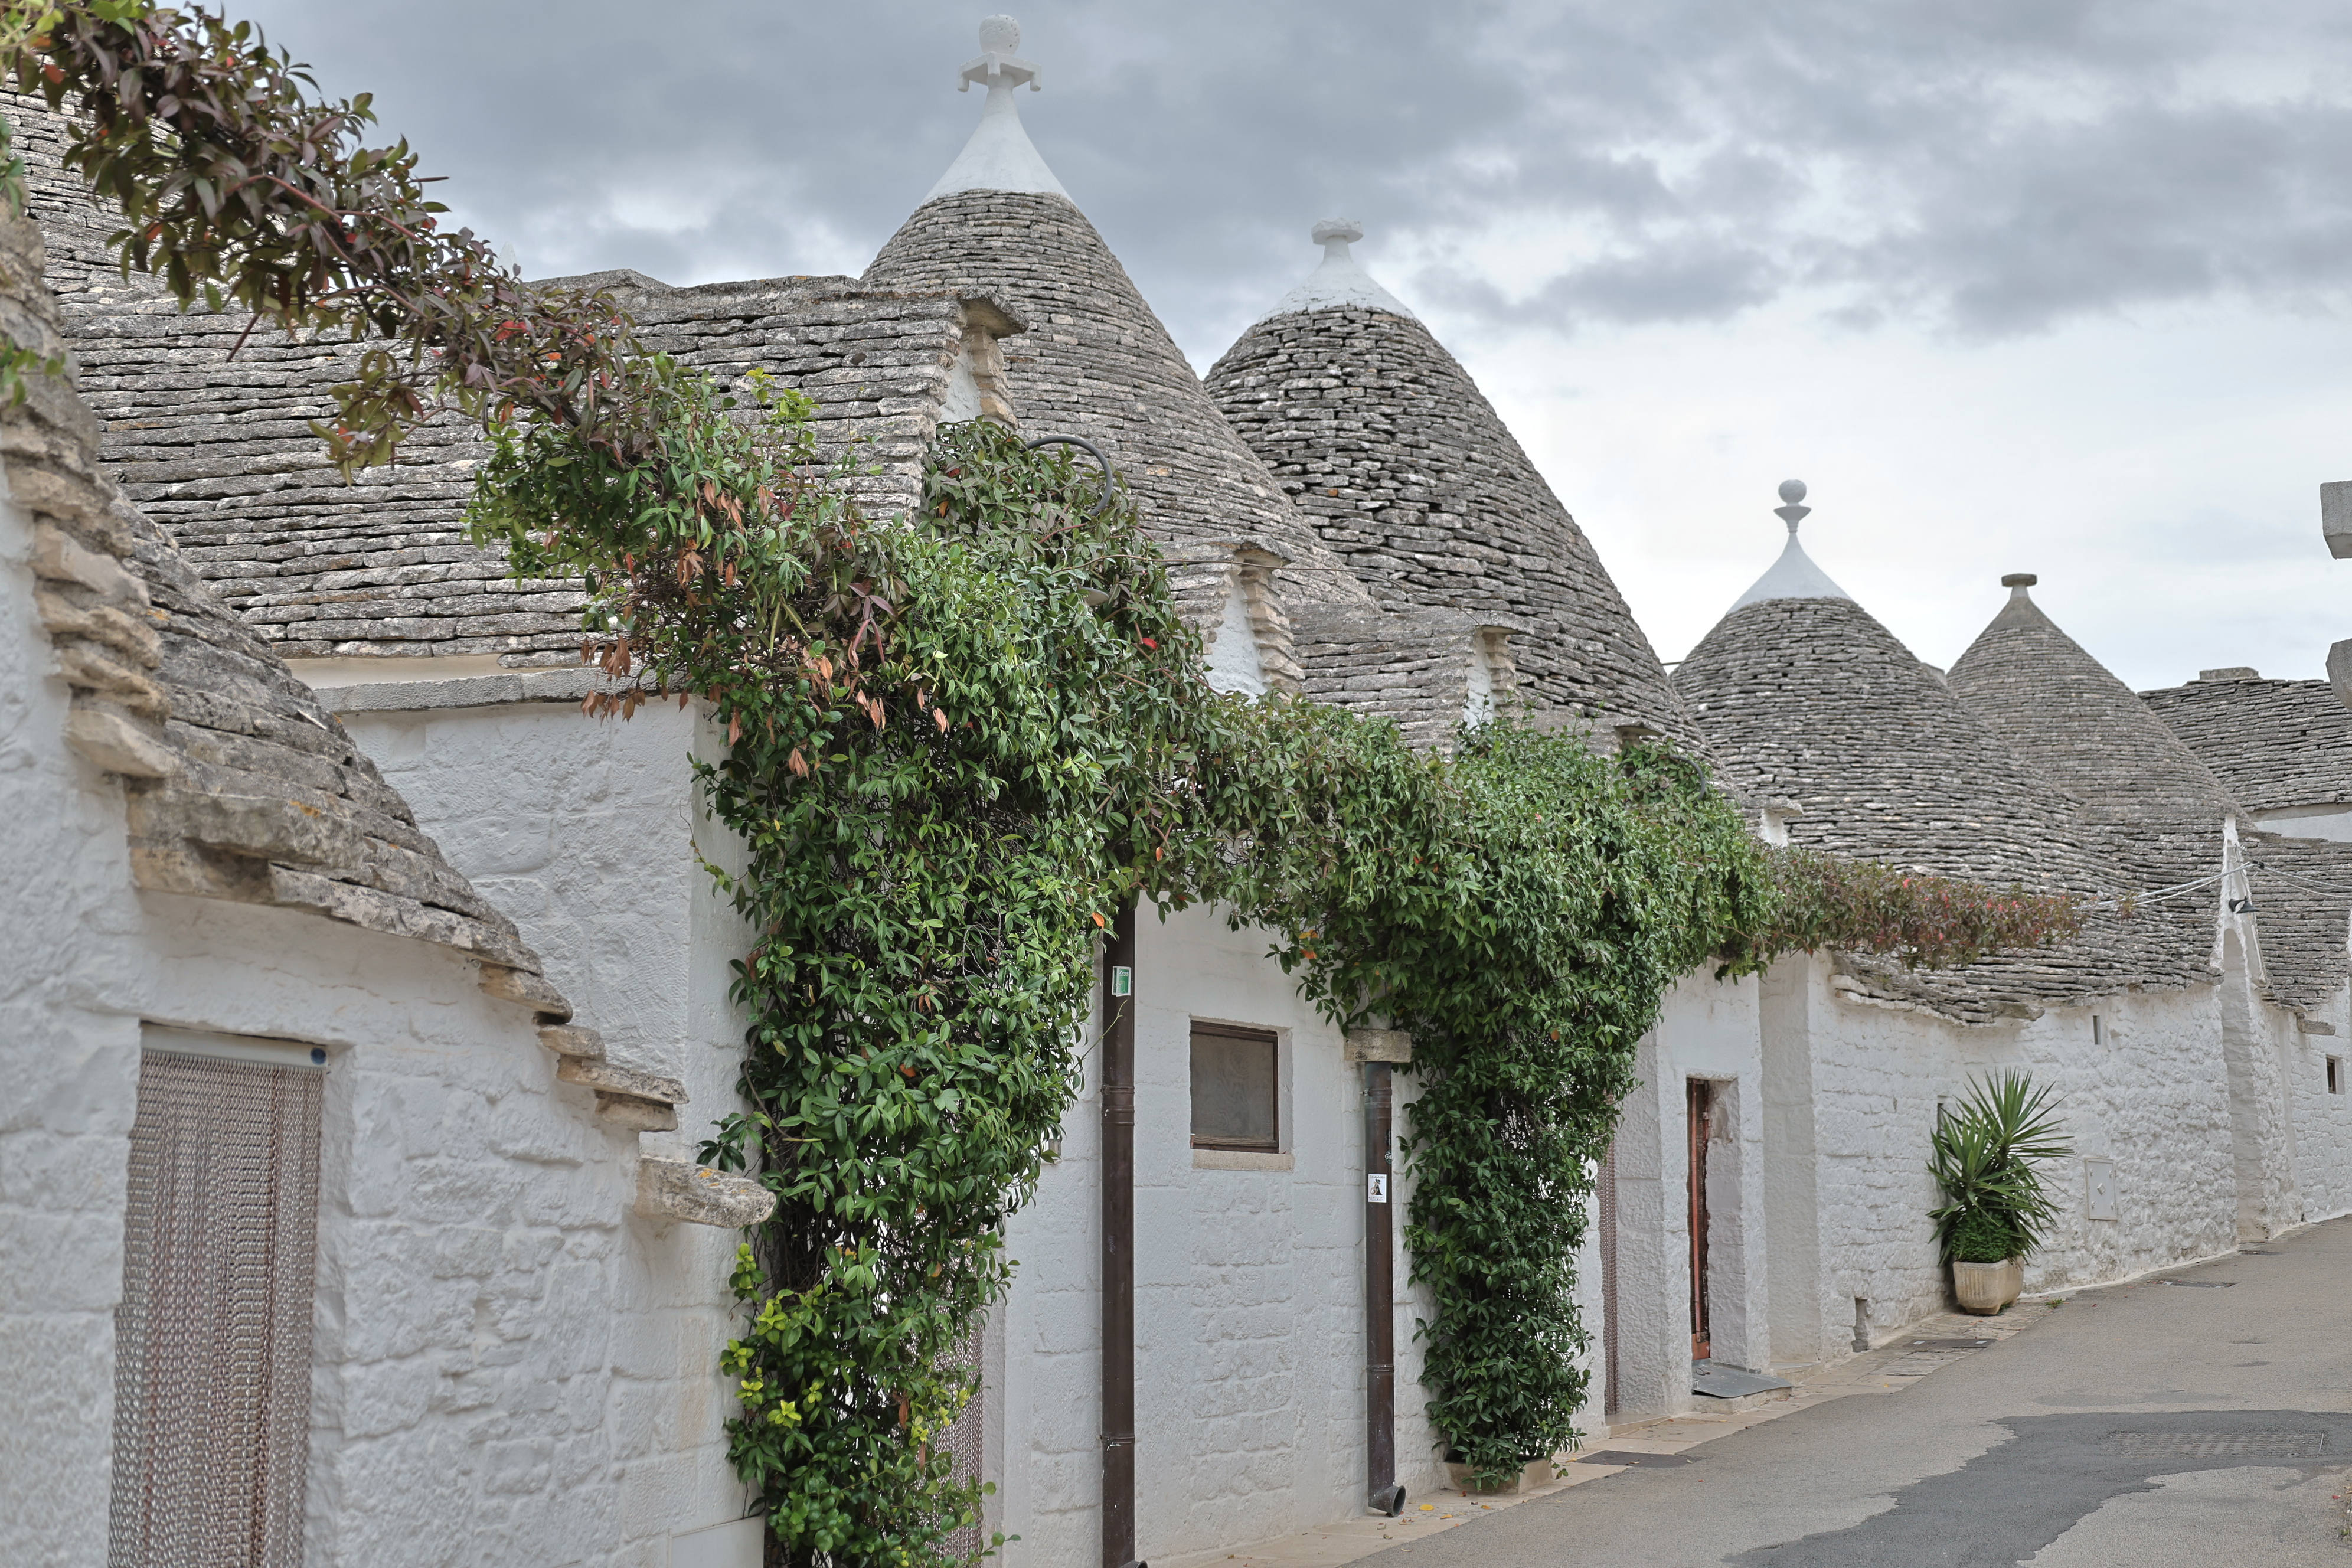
(1118, 1246)
(1382, 1493)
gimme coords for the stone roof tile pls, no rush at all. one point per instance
(2050, 700)
(239, 784)
(2053, 704)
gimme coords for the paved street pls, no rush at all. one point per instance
(2199, 1419)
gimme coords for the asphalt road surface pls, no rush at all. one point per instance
(2198, 1420)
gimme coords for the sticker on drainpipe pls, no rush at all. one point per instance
(1122, 980)
(1376, 1187)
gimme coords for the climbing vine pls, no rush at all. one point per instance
(953, 750)
(1521, 908)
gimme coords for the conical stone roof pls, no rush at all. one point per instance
(1812, 704)
(2049, 700)
(2056, 706)
(1096, 363)
(1388, 447)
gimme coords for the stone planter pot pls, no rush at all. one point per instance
(1534, 1475)
(1985, 1288)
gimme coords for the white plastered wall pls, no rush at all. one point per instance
(580, 830)
(2151, 1094)
(1249, 1289)
(2322, 1120)
(1707, 1030)
(587, 832)
(507, 1364)
(70, 1051)
(1818, 1184)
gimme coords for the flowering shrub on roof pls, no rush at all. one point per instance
(1830, 902)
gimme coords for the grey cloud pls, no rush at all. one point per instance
(1991, 168)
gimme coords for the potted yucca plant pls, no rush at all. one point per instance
(1996, 1210)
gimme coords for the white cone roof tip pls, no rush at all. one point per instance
(1794, 575)
(999, 156)
(1339, 283)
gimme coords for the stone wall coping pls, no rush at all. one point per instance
(560, 684)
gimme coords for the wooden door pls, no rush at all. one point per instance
(1701, 1100)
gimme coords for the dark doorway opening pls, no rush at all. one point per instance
(1701, 1105)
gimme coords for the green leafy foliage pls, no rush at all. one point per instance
(953, 750)
(1985, 1157)
(1984, 1236)
(1521, 908)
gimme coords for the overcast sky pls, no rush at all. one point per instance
(2013, 285)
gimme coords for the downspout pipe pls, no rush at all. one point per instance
(1119, 1244)
(1382, 1493)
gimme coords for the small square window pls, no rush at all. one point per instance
(1236, 1088)
(2335, 1075)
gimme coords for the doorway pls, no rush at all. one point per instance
(1701, 1105)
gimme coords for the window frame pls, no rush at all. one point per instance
(1253, 1033)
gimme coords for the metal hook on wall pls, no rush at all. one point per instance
(1110, 474)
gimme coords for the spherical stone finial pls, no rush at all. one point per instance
(1346, 229)
(2019, 580)
(1792, 509)
(1000, 34)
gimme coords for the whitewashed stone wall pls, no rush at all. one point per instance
(586, 833)
(2322, 1121)
(71, 1056)
(2151, 1095)
(580, 830)
(509, 1365)
(1817, 1182)
(492, 1325)
(1707, 1030)
(1249, 1291)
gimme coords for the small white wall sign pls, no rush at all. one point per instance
(1376, 1187)
(2099, 1188)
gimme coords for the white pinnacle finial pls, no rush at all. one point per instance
(999, 156)
(999, 37)
(1794, 575)
(1793, 491)
(1341, 282)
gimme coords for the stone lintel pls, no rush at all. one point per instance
(1378, 1046)
(631, 1112)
